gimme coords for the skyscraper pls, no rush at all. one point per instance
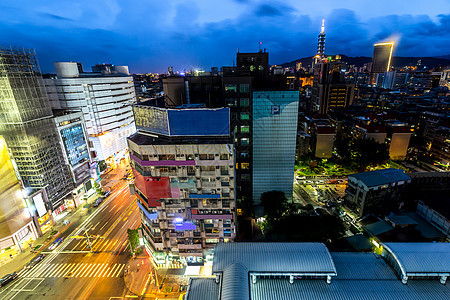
(275, 118)
(381, 60)
(320, 45)
(382, 56)
(27, 126)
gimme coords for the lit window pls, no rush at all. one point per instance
(244, 88)
(245, 165)
(245, 116)
(245, 129)
(230, 88)
(245, 141)
(244, 102)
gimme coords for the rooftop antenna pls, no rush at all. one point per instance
(260, 43)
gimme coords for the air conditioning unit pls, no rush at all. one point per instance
(213, 191)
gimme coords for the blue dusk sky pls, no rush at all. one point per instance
(150, 35)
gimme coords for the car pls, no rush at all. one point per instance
(106, 194)
(56, 243)
(35, 261)
(8, 278)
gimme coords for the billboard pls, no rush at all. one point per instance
(198, 122)
(149, 118)
(183, 122)
(39, 204)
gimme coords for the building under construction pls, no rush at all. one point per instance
(27, 127)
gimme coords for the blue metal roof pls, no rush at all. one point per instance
(274, 257)
(202, 289)
(421, 257)
(381, 177)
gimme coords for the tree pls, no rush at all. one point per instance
(133, 238)
(275, 204)
(102, 165)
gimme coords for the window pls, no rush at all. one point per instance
(230, 88)
(245, 166)
(244, 88)
(189, 156)
(206, 156)
(244, 154)
(244, 102)
(245, 129)
(245, 141)
(223, 156)
(245, 116)
(231, 102)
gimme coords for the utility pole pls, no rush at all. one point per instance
(88, 241)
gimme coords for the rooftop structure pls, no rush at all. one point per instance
(290, 271)
(381, 177)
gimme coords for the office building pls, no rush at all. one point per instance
(183, 164)
(28, 129)
(73, 138)
(303, 141)
(376, 192)
(275, 118)
(104, 96)
(329, 90)
(260, 271)
(322, 140)
(16, 224)
(381, 60)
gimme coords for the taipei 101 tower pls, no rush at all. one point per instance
(320, 45)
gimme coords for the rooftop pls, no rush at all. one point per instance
(145, 138)
(381, 177)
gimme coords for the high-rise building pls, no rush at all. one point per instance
(16, 224)
(275, 118)
(320, 46)
(183, 164)
(73, 139)
(27, 126)
(330, 91)
(105, 97)
(381, 60)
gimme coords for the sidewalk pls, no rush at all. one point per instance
(140, 279)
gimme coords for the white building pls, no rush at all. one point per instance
(104, 96)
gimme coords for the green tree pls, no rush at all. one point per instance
(133, 238)
(102, 165)
(275, 204)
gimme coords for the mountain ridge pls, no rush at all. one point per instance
(397, 61)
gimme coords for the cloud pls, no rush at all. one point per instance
(150, 36)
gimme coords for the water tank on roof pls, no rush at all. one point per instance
(66, 69)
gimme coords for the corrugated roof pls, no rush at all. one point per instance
(361, 266)
(203, 289)
(235, 283)
(421, 257)
(274, 257)
(381, 177)
(276, 289)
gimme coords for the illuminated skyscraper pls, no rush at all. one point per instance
(27, 126)
(321, 41)
(320, 46)
(381, 60)
(382, 56)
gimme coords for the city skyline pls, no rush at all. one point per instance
(149, 37)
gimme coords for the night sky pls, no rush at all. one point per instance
(150, 35)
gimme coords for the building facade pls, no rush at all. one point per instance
(27, 126)
(183, 165)
(275, 119)
(16, 224)
(104, 96)
(73, 139)
(376, 191)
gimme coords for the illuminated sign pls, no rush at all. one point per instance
(275, 110)
(151, 117)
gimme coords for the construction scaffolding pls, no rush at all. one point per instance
(27, 126)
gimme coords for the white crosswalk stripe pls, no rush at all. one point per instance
(84, 270)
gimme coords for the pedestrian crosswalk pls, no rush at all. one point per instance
(73, 270)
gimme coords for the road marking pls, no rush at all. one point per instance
(133, 224)
(130, 212)
(103, 225)
(100, 270)
(111, 270)
(64, 270)
(89, 266)
(124, 219)
(119, 270)
(79, 270)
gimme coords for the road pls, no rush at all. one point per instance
(72, 271)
